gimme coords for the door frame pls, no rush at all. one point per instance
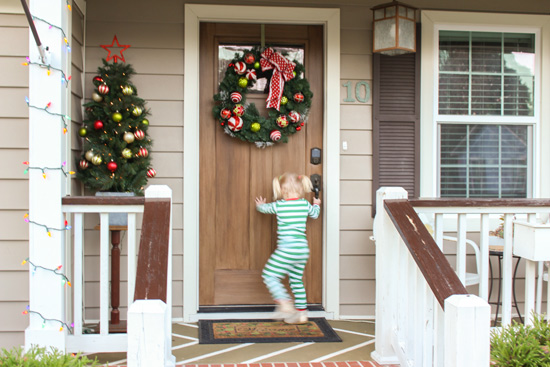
(330, 19)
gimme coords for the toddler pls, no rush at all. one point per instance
(292, 251)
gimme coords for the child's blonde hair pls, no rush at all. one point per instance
(289, 184)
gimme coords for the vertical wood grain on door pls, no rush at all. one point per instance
(235, 239)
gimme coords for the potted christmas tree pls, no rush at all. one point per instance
(115, 151)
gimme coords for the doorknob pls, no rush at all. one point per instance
(317, 185)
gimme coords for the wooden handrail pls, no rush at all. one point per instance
(152, 267)
(103, 200)
(457, 202)
(431, 261)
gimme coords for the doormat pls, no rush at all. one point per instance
(265, 331)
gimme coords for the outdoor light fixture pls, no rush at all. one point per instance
(394, 28)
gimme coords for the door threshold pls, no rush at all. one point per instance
(249, 308)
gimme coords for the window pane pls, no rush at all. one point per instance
(484, 161)
(486, 95)
(453, 94)
(486, 73)
(486, 52)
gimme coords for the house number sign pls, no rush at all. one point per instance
(356, 91)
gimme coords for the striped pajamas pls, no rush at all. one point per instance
(292, 251)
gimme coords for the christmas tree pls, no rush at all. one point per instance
(115, 152)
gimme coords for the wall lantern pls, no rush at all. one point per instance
(394, 28)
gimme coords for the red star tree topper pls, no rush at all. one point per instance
(118, 46)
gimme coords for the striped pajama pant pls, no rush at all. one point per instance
(291, 261)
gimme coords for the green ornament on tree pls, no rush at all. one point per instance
(126, 153)
(145, 122)
(117, 117)
(82, 132)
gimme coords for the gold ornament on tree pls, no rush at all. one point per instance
(128, 137)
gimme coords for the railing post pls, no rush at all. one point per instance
(387, 243)
(467, 331)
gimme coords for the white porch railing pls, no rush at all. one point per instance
(104, 341)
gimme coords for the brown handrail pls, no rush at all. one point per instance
(103, 200)
(431, 261)
(457, 202)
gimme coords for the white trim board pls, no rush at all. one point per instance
(330, 19)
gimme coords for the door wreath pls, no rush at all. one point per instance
(288, 101)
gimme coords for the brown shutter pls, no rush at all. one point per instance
(396, 121)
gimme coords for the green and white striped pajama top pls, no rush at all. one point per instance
(292, 251)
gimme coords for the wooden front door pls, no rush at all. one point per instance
(235, 239)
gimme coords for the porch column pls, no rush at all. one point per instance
(48, 147)
(387, 245)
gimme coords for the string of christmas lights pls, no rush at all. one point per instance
(64, 78)
(63, 117)
(65, 39)
(43, 169)
(48, 229)
(55, 271)
(45, 319)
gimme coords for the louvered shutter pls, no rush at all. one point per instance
(396, 121)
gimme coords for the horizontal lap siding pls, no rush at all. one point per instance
(14, 198)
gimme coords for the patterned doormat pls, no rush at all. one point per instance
(265, 331)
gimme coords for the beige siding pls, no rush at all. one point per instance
(14, 198)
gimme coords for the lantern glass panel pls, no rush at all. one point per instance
(379, 14)
(390, 11)
(410, 13)
(385, 35)
(406, 34)
(402, 11)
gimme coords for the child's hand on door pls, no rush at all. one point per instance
(260, 200)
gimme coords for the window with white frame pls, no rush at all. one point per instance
(485, 113)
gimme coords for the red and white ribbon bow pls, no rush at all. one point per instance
(282, 71)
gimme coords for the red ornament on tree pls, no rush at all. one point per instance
(139, 134)
(143, 152)
(83, 164)
(236, 97)
(98, 80)
(151, 173)
(225, 113)
(103, 89)
(298, 97)
(98, 125)
(235, 123)
(112, 166)
(240, 67)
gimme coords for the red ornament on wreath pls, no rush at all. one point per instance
(98, 125)
(235, 123)
(251, 74)
(236, 97)
(139, 134)
(275, 135)
(298, 128)
(298, 97)
(249, 58)
(238, 110)
(225, 113)
(240, 67)
(294, 116)
(282, 121)
(83, 164)
(143, 152)
(151, 173)
(112, 166)
(103, 89)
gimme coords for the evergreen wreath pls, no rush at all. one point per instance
(288, 106)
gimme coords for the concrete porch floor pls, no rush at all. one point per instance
(356, 346)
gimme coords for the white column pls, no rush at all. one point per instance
(467, 335)
(387, 245)
(47, 148)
